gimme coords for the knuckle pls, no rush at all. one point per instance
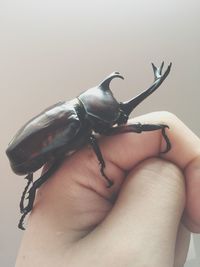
(166, 168)
(167, 174)
(173, 179)
(168, 117)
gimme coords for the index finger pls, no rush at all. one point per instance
(127, 150)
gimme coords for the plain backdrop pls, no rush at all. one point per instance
(51, 50)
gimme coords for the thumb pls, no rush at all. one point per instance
(141, 229)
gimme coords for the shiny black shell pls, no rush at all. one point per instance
(53, 132)
(63, 128)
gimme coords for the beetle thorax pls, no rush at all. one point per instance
(100, 106)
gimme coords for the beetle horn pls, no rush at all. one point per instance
(128, 106)
(105, 83)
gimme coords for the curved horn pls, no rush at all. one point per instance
(106, 82)
(128, 106)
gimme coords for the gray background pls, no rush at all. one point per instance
(51, 50)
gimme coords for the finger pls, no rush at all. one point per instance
(141, 228)
(126, 150)
(130, 148)
(182, 246)
(192, 210)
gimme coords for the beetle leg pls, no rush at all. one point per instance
(139, 128)
(29, 177)
(32, 192)
(95, 146)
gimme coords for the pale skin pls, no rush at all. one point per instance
(145, 219)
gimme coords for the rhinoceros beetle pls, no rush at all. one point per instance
(67, 126)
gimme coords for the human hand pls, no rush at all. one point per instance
(77, 221)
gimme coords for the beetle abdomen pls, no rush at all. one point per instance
(40, 139)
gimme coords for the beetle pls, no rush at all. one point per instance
(67, 126)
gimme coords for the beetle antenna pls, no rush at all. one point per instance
(128, 106)
(106, 82)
